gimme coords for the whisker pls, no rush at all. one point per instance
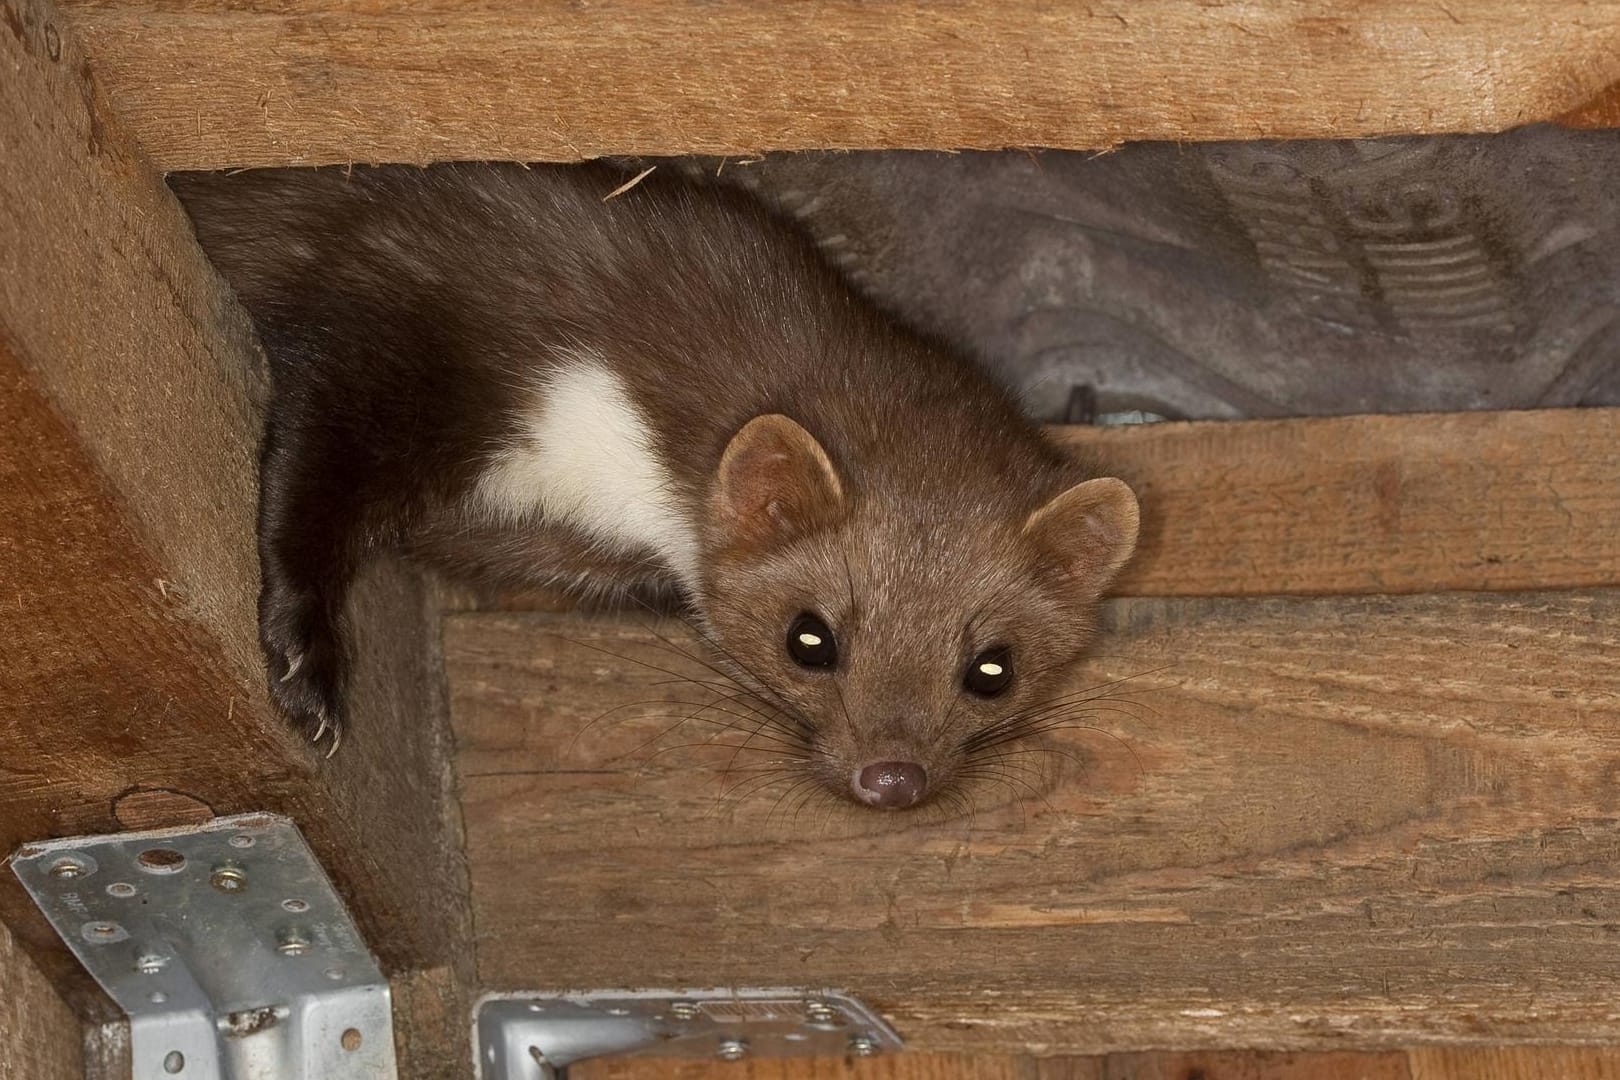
(1059, 725)
(699, 713)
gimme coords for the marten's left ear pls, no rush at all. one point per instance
(1089, 531)
(774, 483)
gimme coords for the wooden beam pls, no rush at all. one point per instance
(1514, 1063)
(40, 1038)
(1346, 823)
(1370, 504)
(215, 83)
(1469, 1063)
(1227, 1065)
(128, 426)
(892, 1067)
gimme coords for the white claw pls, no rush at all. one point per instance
(293, 665)
(337, 737)
(322, 729)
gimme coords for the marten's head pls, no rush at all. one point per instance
(898, 640)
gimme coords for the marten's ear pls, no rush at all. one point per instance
(1089, 531)
(774, 483)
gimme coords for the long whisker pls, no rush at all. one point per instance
(1019, 727)
(761, 687)
(699, 712)
(1069, 725)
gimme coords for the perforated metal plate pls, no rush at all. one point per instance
(532, 1036)
(225, 944)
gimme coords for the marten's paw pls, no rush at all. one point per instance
(304, 662)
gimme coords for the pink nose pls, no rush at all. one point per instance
(891, 785)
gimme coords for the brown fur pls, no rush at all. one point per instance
(405, 310)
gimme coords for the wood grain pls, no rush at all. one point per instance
(1601, 111)
(1515, 1063)
(895, 1067)
(1472, 1063)
(40, 1038)
(128, 426)
(1249, 1065)
(217, 83)
(1370, 504)
(1349, 823)
(1216, 1065)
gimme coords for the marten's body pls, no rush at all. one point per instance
(494, 369)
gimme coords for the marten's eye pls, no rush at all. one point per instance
(989, 673)
(810, 643)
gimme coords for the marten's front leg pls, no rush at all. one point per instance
(313, 534)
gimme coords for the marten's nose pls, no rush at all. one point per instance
(891, 785)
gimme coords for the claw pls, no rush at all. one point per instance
(321, 730)
(293, 665)
(337, 737)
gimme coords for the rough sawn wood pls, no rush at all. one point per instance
(217, 83)
(40, 1037)
(1370, 504)
(1349, 822)
(128, 434)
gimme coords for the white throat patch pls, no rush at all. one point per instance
(585, 459)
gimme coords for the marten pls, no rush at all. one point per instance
(496, 370)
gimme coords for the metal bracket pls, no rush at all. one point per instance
(537, 1036)
(226, 945)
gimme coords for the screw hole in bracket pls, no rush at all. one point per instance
(160, 860)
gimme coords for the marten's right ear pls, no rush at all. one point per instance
(774, 483)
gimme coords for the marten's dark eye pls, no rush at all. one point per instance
(989, 672)
(810, 643)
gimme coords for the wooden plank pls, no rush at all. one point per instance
(128, 383)
(1249, 1065)
(1515, 1063)
(1370, 504)
(1601, 111)
(216, 83)
(1350, 823)
(894, 1067)
(1216, 1065)
(1470, 1063)
(40, 1038)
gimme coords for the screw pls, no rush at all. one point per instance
(241, 840)
(732, 1050)
(103, 930)
(67, 870)
(292, 942)
(121, 889)
(150, 963)
(228, 878)
(863, 1046)
(820, 1012)
(684, 1010)
(295, 905)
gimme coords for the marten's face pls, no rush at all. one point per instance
(894, 654)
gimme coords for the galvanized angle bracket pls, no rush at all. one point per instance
(226, 945)
(537, 1036)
